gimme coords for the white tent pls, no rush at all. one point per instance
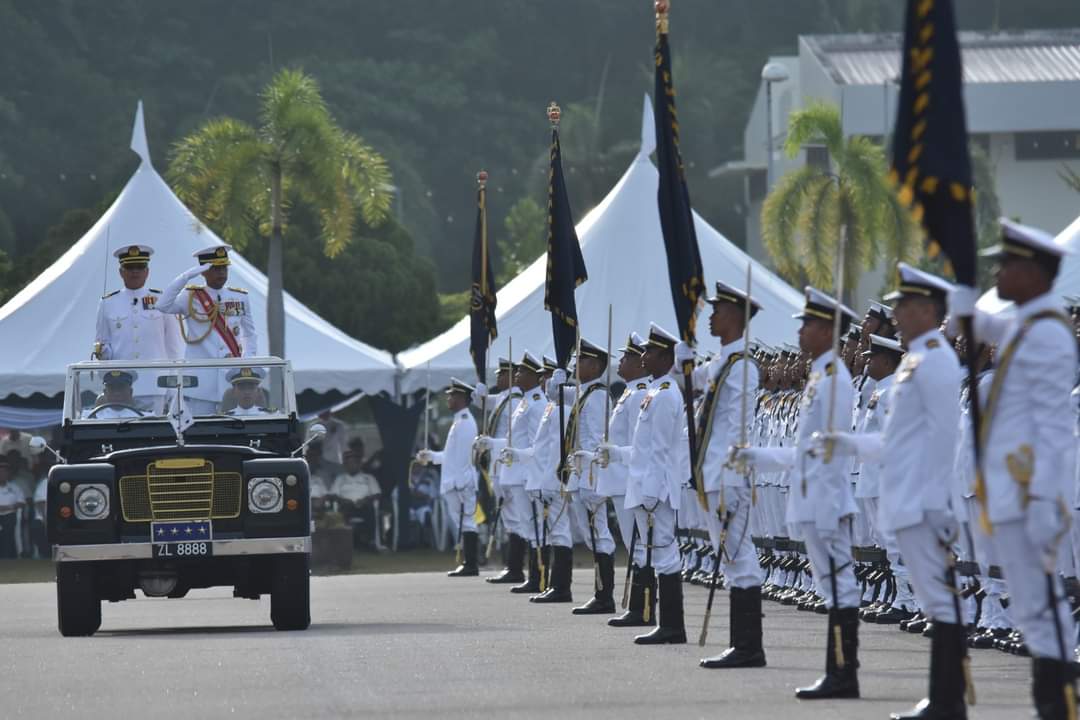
(51, 322)
(1068, 279)
(624, 253)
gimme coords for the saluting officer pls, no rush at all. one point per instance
(1027, 433)
(217, 321)
(654, 487)
(820, 501)
(729, 402)
(916, 446)
(457, 484)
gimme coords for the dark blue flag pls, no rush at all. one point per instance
(931, 165)
(565, 265)
(685, 272)
(483, 300)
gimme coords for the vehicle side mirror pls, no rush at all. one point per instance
(172, 381)
(38, 444)
(316, 431)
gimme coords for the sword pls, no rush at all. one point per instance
(646, 611)
(837, 316)
(629, 567)
(494, 529)
(461, 522)
(721, 552)
(592, 541)
(607, 380)
(539, 545)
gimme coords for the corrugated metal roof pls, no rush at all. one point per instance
(1037, 56)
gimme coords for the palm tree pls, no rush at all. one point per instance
(802, 219)
(243, 180)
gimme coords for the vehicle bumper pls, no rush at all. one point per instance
(145, 551)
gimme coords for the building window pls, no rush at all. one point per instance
(817, 156)
(1060, 145)
(756, 185)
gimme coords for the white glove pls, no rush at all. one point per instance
(765, 459)
(584, 457)
(649, 503)
(609, 453)
(683, 353)
(962, 301)
(196, 271)
(424, 457)
(1045, 522)
(482, 443)
(868, 447)
(479, 392)
(511, 455)
(558, 377)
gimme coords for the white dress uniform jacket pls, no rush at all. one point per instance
(612, 482)
(590, 433)
(920, 433)
(1032, 420)
(233, 304)
(868, 484)
(543, 466)
(727, 415)
(129, 327)
(505, 403)
(458, 471)
(821, 492)
(524, 422)
(652, 457)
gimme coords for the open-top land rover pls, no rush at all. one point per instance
(177, 475)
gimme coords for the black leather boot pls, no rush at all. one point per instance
(642, 579)
(745, 647)
(562, 568)
(672, 627)
(947, 684)
(603, 601)
(470, 568)
(841, 678)
(1053, 689)
(515, 563)
(532, 584)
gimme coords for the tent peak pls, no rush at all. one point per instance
(138, 136)
(648, 128)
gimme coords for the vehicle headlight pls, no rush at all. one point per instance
(265, 495)
(91, 501)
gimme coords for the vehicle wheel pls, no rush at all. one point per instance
(78, 608)
(290, 592)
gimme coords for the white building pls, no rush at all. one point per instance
(1021, 92)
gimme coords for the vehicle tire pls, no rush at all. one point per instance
(290, 592)
(78, 608)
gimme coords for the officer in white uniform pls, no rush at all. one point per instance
(731, 380)
(217, 322)
(820, 501)
(248, 392)
(130, 328)
(523, 518)
(512, 516)
(117, 400)
(1029, 450)
(654, 487)
(916, 447)
(458, 480)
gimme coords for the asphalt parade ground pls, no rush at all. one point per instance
(424, 646)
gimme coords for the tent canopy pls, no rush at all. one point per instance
(623, 247)
(51, 322)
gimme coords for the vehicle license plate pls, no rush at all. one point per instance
(182, 539)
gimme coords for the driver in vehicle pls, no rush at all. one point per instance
(117, 402)
(247, 391)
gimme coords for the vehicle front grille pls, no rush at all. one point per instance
(180, 489)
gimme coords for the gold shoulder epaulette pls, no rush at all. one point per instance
(239, 290)
(933, 343)
(109, 295)
(193, 287)
(155, 290)
(536, 396)
(665, 385)
(830, 369)
(643, 386)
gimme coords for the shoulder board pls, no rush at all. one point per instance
(642, 386)
(516, 395)
(193, 287)
(933, 343)
(155, 290)
(109, 295)
(665, 385)
(239, 290)
(830, 369)
(536, 396)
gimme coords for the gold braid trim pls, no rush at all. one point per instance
(193, 313)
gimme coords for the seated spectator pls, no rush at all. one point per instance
(39, 539)
(355, 493)
(318, 483)
(12, 501)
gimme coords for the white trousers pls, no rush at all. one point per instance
(517, 510)
(665, 551)
(625, 516)
(740, 562)
(925, 552)
(588, 504)
(830, 558)
(460, 505)
(558, 518)
(1029, 590)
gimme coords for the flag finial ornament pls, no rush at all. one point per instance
(662, 7)
(481, 178)
(554, 114)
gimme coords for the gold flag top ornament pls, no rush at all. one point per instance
(662, 7)
(554, 114)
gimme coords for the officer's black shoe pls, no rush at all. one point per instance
(634, 615)
(892, 616)
(603, 601)
(514, 572)
(469, 568)
(746, 649)
(947, 682)
(1053, 688)
(841, 678)
(562, 568)
(672, 627)
(916, 626)
(532, 584)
